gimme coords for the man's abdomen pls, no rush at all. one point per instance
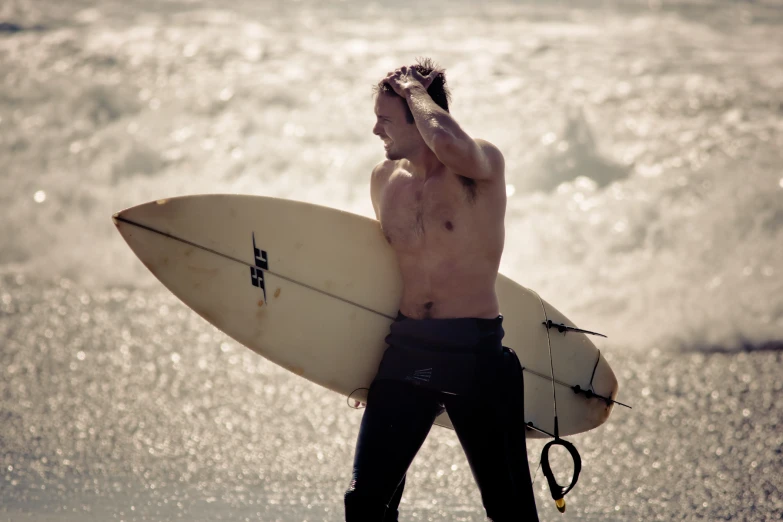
(448, 292)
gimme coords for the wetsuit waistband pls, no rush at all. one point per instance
(462, 333)
(484, 325)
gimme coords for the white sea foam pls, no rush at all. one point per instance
(643, 148)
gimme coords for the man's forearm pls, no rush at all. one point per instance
(432, 121)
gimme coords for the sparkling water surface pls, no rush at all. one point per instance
(642, 144)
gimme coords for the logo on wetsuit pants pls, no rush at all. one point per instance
(421, 375)
(257, 272)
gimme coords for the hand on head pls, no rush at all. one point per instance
(405, 77)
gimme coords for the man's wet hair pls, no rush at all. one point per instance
(438, 90)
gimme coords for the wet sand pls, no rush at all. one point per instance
(122, 404)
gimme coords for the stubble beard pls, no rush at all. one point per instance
(393, 154)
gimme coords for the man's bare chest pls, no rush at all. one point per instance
(412, 209)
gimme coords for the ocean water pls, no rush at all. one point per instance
(644, 170)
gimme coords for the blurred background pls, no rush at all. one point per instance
(643, 165)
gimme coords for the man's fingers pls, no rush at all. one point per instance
(431, 77)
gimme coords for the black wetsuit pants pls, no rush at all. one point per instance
(401, 411)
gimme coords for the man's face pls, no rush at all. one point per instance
(391, 126)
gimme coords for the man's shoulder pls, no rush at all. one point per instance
(380, 177)
(386, 166)
(491, 152)
(382, 171)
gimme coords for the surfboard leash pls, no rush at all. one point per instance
(557, 491)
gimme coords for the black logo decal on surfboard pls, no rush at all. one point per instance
(257, 272)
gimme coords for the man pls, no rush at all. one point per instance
(440, 197)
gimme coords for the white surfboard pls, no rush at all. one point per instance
(314, 289)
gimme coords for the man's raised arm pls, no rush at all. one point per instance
(477, 159)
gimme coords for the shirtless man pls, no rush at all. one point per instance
(440, 197)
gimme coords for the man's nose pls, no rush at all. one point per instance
(376, 129)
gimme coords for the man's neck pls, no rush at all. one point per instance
(423, 164)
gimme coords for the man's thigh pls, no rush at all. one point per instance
(497, 455)
(396, 422)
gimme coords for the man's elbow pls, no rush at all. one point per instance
(467, 158)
